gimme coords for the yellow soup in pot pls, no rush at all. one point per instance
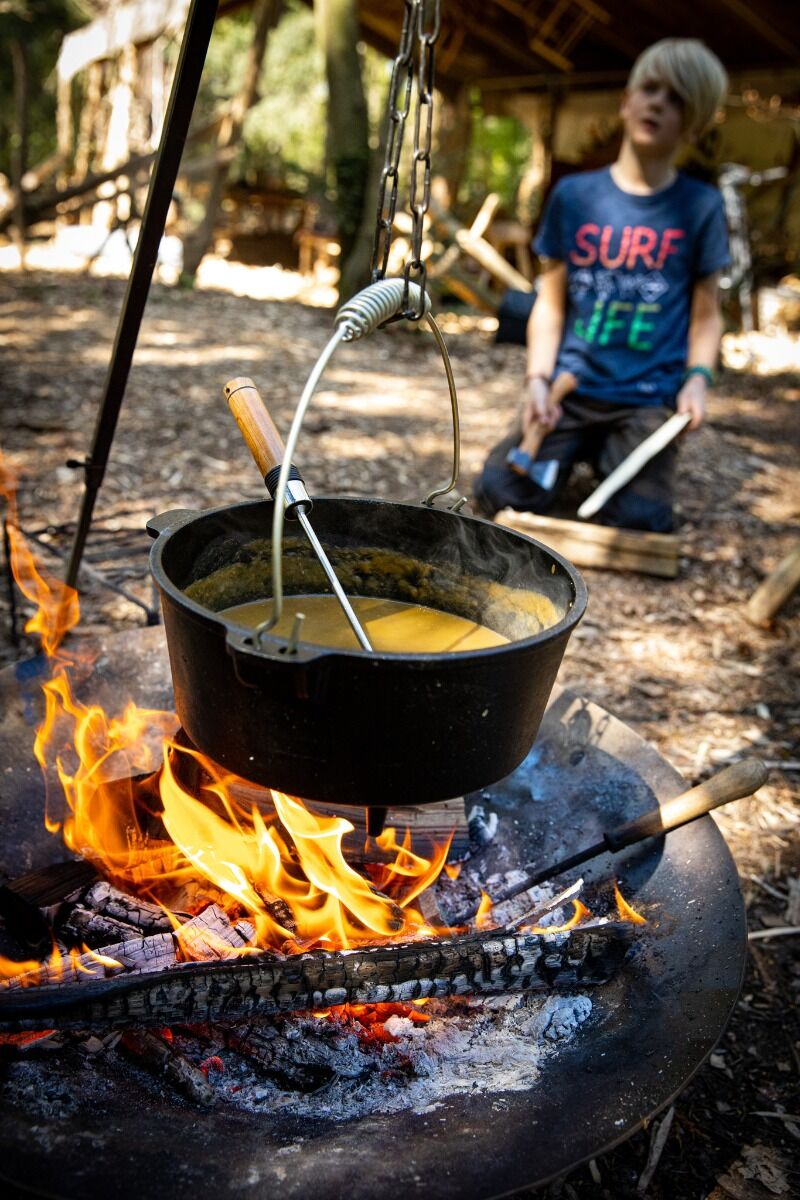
(391, 625)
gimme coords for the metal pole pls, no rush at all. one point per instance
(199, 26)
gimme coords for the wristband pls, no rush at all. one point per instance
(706, 372)
(548, 379)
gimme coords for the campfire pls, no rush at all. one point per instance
(182, 863)
(251, 953)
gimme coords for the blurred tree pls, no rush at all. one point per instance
(348, 153)
(499, 152)
(36, 28)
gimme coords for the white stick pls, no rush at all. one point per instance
(633, 464)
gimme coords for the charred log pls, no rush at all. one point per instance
(162, 1059)
(254, 987)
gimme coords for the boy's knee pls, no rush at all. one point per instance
(631, 510)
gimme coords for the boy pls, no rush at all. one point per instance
(626, 300)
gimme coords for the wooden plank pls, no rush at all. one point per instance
(589, 545)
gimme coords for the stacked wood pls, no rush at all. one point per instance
(589, 545)
(396, 972)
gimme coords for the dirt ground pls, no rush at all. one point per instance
(674, 659)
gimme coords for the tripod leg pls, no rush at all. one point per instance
(199, 26)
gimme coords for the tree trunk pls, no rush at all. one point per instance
(348, 134)
(265, 15)
(19, 160)
(536, 179)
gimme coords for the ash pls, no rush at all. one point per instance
(339, 1065)
(415, 1058)
(466, 1046)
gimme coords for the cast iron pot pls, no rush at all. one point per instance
(350, 727)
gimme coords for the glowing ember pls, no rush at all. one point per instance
(121, 804)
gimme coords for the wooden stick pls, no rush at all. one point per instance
(401, 971)
(479, 249)
(776, 589)
(632, 465)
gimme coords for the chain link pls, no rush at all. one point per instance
(421, 24)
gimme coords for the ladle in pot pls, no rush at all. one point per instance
(266, 446)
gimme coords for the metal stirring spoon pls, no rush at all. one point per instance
(266, 446)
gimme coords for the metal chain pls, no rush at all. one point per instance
(402, 71)
(423, 19)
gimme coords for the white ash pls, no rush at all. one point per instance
(468, 1046)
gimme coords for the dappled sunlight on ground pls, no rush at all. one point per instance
(268, 283)
(761, 353)
(73, 254)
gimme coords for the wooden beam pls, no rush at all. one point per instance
(479, 249)
(601, 546)
(750, 14)
(541, 80)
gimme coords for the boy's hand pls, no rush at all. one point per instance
(692, 399)
(537, 407)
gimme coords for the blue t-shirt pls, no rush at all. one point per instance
(632, 262)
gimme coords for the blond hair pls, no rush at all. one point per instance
(693, 70)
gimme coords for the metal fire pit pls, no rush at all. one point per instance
(651, 1029)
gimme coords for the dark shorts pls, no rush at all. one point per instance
(602, 435)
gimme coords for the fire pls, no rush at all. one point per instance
(121, 802)
(579, 913)
(482, 919)
(626, 913)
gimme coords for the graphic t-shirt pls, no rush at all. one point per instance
(632, 262)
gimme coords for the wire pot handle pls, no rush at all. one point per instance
(361, 315)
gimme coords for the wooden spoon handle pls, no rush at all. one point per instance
(258, 429)
(731, 783)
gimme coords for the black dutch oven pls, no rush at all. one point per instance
(356, 727)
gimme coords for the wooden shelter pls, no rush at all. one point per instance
(516, 45)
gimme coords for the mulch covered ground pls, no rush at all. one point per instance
(676, 660)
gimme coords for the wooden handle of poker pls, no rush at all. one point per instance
(257, 427)
(731, 783)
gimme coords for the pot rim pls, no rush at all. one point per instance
(307, 651)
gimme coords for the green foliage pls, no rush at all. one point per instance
(499, 153)
(41, 25)
(284, 133)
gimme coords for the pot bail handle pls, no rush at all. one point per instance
(265, 443)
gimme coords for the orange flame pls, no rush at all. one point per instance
(482, 919)
(122, 805)
(57, 608)
(579, 913)
(626, 913)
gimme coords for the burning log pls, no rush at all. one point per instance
(396, 972)
(93, 929)
(163, 1059)
(211, 935)
(108, 901)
